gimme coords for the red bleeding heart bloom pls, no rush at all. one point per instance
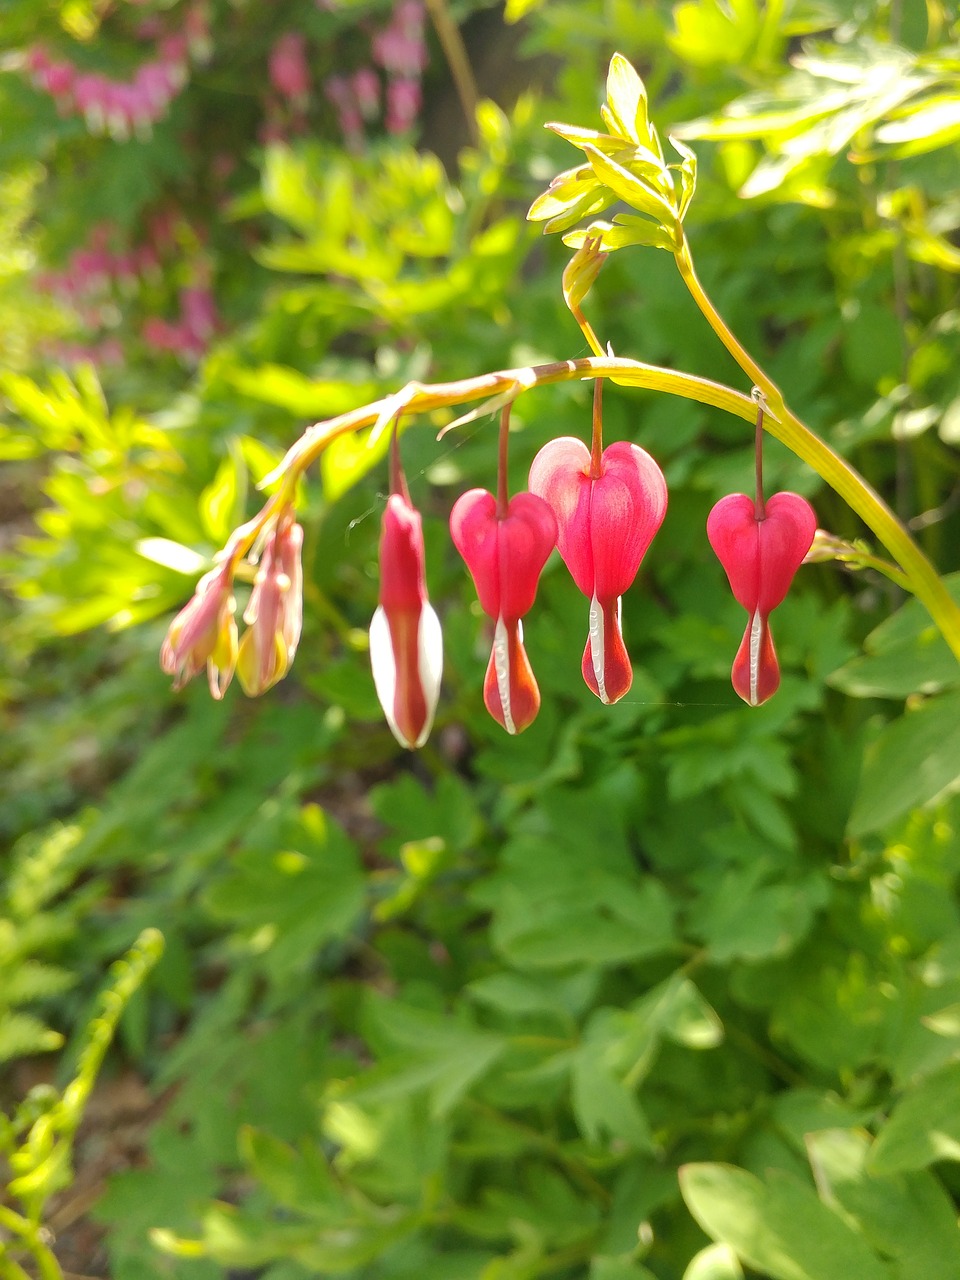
(505, 546)
(608, 506)
(760, 554)
(406, 643)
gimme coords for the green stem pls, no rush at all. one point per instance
(586, 328)
(924, 581)
(29, 1232)
(503, 488)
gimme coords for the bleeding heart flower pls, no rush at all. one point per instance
(204, 633)
(505, 546)
(760, 553)
(608, 508)
(274, 614)
(406, 643)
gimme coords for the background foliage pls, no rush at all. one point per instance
(668, 989)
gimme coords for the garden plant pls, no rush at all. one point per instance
(526, 901)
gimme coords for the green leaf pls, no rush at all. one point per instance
(908, 1217)
(22, 1035)
(603, 1268)
(630, 230)
(287, 189)
(423, 1051)
(602, 921)
(922, 126)
(912, 762)
(303, 397)
(346, 460)
(296, 885)
(709, 33)
(603, 1105)
(636, 190)
(741, 917)
(779, 1228)
(924, 1126)
(517, 9)
(715, 1262)
(905, 654)
(298, 1179)
(221, 503)
(626, 101)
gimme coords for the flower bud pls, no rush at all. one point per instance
(274, 613)
(406, 643)
(204, 632)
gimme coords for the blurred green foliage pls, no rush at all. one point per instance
(668, 989)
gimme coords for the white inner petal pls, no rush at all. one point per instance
(384, 667)
(501, 664)
(756, 631)
(596, 645)
(430, 664)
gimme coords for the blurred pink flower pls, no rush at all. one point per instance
(287, 65)
(404, 99)
(366, 92)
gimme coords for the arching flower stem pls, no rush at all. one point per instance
(780, 421)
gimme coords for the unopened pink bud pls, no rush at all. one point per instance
(406, 643)
(204, 633)
(275, 611)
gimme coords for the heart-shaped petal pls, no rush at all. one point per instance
(760, 557)
(505, 556)
(605, 523)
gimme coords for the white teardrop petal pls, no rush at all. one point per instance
(430, 664)
(384, 667)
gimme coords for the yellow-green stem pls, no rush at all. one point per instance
(29, 1232)
(922, 578)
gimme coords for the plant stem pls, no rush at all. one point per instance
(586, 328)
(29, 1232)
(759, 505)
(503, 490)
(455, 52)
(784, 425)
(596, 444)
